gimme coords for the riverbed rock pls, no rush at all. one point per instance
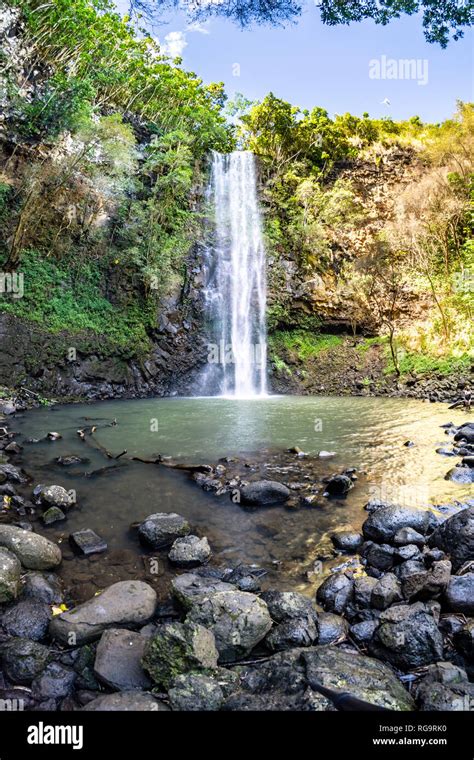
(383, 524)
(363, 588)
(23, 659)
(335, 593)
(195, 692)
(288, 605)
(52, 515)
(338, 486)
(298, 632)
(464, 640)
(406, 536)
(126, 604)
(87, 542)
(332, 629)
(177, 648)
(70, 460)
(190, 551)
(461, 474)
(465, 433)
(238, 619)
(455, 536)
(162, 528)
(348, 541)
(380, 556)
(56, 496)
(27, 619)
(459, 595)
(118, 660)
(264, 493)
(363, 632)
(387, 591)
(34, 552)
(44, 587)
(408, 637)
(55, 682)
(126, 701)
(10, 575)
(189, 588)
(10, 473)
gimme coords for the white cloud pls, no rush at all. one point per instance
(196, 26)
(174, 44)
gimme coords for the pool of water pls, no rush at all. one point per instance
(365, 433)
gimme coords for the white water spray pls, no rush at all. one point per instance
(236, 288)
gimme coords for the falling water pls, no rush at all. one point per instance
(236, 287)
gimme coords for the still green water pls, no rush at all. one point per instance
(365, 433)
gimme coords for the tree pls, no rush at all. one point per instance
(442, 19)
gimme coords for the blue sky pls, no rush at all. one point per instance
(311, 64)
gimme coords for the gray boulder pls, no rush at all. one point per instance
(189, 588)
(126, 701)
(189, 551)
(27, 619)
(44, 587)
(387, 591)
(459, 595)
(55, 682)
(287, 605)
(195, 692)
(348, 541)
(162, 528)
(264, 493)
(238, 619)
(177, 648)
(335, 593)
(332, 629)
(383, 524)
(22, 660)
(118, 661)
(10, 574)
(56, 496)
(408, 637)
(122, 605)
(461, 474)
(34, 552)
(455, 536)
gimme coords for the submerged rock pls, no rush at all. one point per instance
(264, 493)
(189, 551)
(338, 486)
(122, 605)
(88, 542)
(177, 648)
(238, 619)
(10, 574)
(34, 552)
(52, 515)
(162, 528)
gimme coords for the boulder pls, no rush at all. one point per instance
(464, 640)
(56, 496)
(288, 605)
(335, 593)
(348, 541)
(162, 528)
(238, 619)
(461, 474)
(126, 701)
(34, 552)
(189, 551)
(11, 473)
(407, 637)
(190, 588)
(118, 661)
(298, 632)
(387, 591)
(44, 587)
(363, 632)
(459, 594)
(10, 575)
(380, 556)
(362, 677)
(122, 605)
(195, 692)
(455, 536)
(332, 628)
(383, 524)
(22, 660)
(264, 493)
(177, 648)
(406, 536)
(55, 682)
(338, 486)
(27, 619)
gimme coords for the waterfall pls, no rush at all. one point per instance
(235, 290)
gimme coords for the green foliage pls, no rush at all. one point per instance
(302, 344)
(421, 363)
(70, 297)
